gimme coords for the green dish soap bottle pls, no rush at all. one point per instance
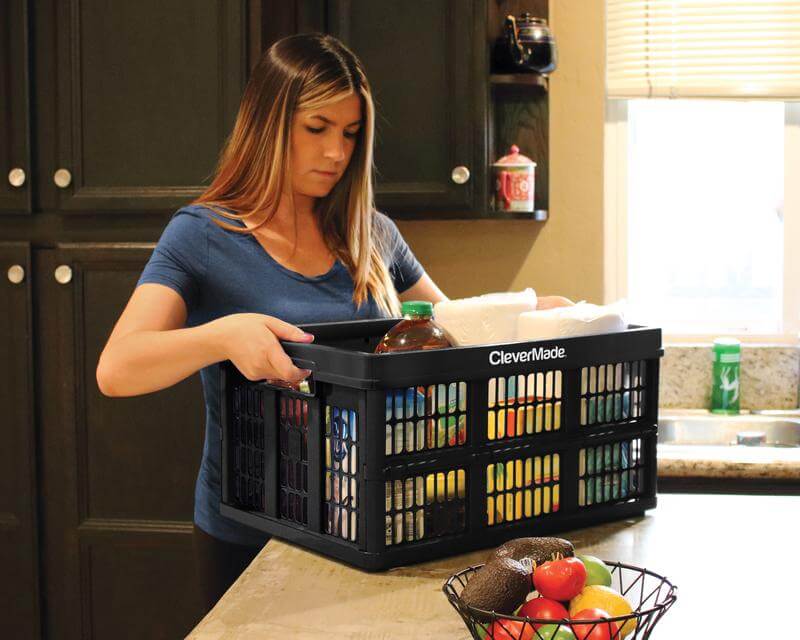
(727, 357)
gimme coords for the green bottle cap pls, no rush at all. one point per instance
(418, 308)
(727, 345)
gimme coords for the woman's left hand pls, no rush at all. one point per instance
(551, 302)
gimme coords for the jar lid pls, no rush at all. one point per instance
(528, 18)
(514, 157)
(417, 308)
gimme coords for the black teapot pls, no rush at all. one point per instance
(526, 46)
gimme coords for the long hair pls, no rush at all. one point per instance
(306, 71)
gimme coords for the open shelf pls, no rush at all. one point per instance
(518, 112)
(539, 215)
(519, 80)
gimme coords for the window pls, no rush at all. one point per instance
(702, 165)
(703, 214)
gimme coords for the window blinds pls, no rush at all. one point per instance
(703, 49)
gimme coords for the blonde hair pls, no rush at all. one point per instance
(306, 71)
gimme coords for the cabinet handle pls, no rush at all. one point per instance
(460, 175)
(63, 274)
(16, 177)
(16, 273)
(62, 178)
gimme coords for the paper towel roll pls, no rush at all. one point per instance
(485, 319)
(582, 319)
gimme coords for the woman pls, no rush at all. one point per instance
(286, 234)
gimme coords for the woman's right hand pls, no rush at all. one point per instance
(250, 341)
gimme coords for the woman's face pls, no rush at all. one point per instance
(322, 143)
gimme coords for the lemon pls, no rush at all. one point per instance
(601, 597)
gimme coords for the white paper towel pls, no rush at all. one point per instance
(485, 319)
(582, 319)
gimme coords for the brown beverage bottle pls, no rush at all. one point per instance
(416, 331)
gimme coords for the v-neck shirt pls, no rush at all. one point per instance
(289, 272)
(219, 272)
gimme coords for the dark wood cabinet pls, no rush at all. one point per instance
(428, 71)
(19, 577)
(126, 106)
(15, 143)
(438, 111)
(112, 116)
(135, 100)
(117, 475)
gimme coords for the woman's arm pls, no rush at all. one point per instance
(424, 289)
(149, 349)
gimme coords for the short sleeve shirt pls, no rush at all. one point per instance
(219, 272)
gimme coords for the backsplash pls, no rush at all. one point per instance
(770, 377)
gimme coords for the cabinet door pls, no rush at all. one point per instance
(137, 99)
(427, 68)
(117, 474)
(19, 581)
(15, 169)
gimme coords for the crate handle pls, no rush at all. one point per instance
(307, 387)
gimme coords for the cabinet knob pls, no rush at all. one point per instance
(63, 274)
(460, 175)
(16, 177)
(16, 273)
(62, 178)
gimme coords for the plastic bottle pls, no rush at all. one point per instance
(417, 331)
(725, 376)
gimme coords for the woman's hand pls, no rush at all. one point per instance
(250, 341)
(551, 302)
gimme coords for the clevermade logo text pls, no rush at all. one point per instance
(535, 354)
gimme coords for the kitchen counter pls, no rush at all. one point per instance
(732, 557)
(696, 453)
(698, 461)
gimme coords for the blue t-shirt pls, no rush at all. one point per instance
(219, 272)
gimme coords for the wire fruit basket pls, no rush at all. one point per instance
(651, 596)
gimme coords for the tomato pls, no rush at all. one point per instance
(594, 631)
(543, 609)
(560, 579)
(505, 629)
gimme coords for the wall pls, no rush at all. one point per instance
(565, 254)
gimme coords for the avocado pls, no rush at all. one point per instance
(500, 585)
(539, 550)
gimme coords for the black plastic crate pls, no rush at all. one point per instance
(392, 459)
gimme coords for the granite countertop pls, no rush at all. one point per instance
(722, 551)
(698, 461)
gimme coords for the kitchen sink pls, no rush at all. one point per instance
(760, 429)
